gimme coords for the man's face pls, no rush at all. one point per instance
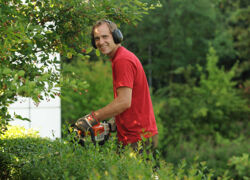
(104, 40)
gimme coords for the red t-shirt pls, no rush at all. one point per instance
(138, 121)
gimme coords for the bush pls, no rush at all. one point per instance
(240, 166)
(217, 154)
(31, 157)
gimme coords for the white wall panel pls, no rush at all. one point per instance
(47, 120)
(46, 117)
(24, 113)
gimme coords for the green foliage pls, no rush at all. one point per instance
(213, 106)
(97, 94)
(223, 106)
(241, 165)
(184, 31)
(177, 35)
(237, 17)
(218, 154)
(22, 41)
(30, 157)
(207, 117)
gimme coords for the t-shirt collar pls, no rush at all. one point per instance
(118, 49)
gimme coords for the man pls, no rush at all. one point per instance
(132, 106)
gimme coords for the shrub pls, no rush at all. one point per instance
(31, 157)
(240, 166)
(216, 153)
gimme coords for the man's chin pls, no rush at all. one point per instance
(105, 52)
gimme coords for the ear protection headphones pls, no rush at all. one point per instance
(116, 34)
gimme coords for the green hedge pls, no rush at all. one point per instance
(23, 155)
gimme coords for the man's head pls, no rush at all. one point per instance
(106, 37)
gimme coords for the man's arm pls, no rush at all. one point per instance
(117, 106)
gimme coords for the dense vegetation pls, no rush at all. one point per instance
(24, 155)
(196, 56)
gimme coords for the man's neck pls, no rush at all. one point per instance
(112, 54)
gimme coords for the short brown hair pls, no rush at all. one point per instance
(112, 26)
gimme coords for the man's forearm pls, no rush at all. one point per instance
(116, 107)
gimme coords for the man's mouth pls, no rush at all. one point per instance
(103, 48)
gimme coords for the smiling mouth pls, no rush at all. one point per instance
(103, 48)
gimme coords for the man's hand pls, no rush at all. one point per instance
(112, 125)
(86, 122)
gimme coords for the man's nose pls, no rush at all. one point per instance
(101, 41)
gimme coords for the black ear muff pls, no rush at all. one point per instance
(117, 36)
(93, 41)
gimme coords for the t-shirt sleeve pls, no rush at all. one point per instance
(124, 73)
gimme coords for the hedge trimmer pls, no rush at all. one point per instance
(98, 133)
